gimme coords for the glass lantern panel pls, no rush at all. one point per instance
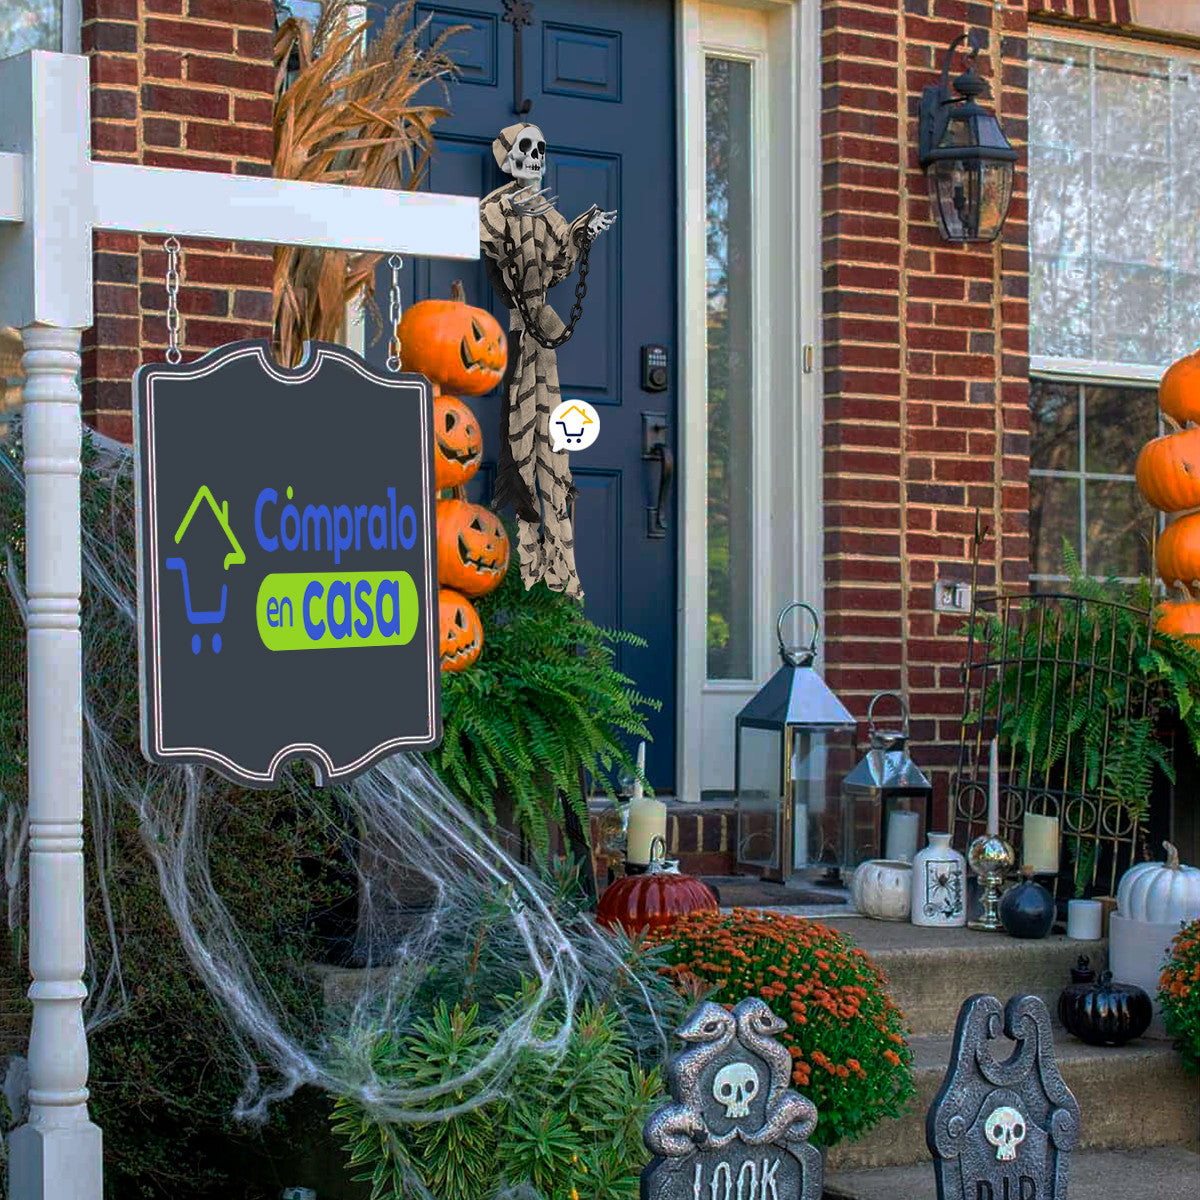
(820, 761)
(903, 825)
(759, 796)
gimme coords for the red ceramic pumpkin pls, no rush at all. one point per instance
(653, 900)
(457, 442)
(461, 630)
(459, 347)
(472, 547)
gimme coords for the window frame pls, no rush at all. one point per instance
(1084, 372)
(1099, 370)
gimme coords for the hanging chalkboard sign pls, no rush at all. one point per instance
(287, 574)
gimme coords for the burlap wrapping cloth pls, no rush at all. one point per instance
(528, 468)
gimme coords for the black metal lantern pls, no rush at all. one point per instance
(788, 758)
(888, 804)
(968, 161)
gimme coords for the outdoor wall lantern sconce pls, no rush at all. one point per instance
(968, 161)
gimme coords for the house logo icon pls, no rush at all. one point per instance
(221, 542)
(574, 425)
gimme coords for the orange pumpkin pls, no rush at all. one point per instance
(1168, 471)
(461, 348)
(1179, 389)
(1177, 554)
(461, 630)
(1181, 619)
(654, 900)
(457, 442)
(472, 547)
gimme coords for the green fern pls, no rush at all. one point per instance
(1066, 696)
(543, 700)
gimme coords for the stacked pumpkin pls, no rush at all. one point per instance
(462, 351)
(1168, 475)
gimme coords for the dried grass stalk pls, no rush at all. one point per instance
(348, 117)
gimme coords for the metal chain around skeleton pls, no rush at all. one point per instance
(171, 245)
(518, 294)
(393, 358)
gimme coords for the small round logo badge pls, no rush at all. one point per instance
(574, 425)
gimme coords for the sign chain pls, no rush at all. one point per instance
(171, 245)
(393, 358)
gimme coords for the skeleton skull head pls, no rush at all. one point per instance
(527, 159)
(735, 1086)
(1005, 1129)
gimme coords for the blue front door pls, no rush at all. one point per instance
(600, 76)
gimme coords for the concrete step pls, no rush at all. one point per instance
(1162, 1173)
(1130, 1097)
(932, 971)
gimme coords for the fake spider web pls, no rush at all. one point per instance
(402, 825)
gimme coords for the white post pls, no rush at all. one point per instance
(51, 198)
(57, 1154)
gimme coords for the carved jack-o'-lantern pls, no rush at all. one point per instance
(457, 442)
(461, 630)
(472, 547)
(458, 346)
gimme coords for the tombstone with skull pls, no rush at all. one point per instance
(529, 247)
(1002, 1128)
(733, 1124)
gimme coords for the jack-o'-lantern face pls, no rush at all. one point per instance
(460, 347)
(472, 547)
(457, 442)
(461, 630)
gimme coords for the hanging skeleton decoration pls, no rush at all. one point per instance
(528, 248)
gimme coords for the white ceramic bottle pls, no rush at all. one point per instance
(939, 886)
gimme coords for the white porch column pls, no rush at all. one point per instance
(56, 1155)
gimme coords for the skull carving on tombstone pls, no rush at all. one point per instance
(1005, 1129)
(735, 1086)
(527, 159)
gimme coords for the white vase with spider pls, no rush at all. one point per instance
(939, 884)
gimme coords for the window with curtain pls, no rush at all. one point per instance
(30, 25)
(1114, 287)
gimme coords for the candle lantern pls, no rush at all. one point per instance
(792, 741)
(887, 802)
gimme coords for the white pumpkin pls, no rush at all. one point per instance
(882, 888)
(1165, 893)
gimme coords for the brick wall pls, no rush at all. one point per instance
(925, 354)
(175, 83)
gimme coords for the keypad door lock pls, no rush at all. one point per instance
(655, 373)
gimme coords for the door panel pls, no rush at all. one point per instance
(603, 93)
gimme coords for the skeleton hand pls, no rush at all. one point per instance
(527, 202)
(600, 222)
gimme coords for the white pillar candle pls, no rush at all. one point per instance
(647, 820)
(641, 770)
(1039, 849)
(1083, 920)
(902, 831)
(993, 825)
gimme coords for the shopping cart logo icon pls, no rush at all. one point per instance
(574, 425)
(235, 556)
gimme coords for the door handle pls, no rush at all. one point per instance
(655, 428)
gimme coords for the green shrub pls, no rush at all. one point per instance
(1179, 994)
(845, 1033)
(570, 1128)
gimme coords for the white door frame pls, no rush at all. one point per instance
(782, 39)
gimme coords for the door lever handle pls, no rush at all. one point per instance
(655, 428)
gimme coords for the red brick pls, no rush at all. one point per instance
(116, 298)
(116, 363)
(160, 131)
(193, 301)
(164, 64)
(167, 8)
(111, 239)
(838, 44)
(231, 73)
(841, 16)
(185, 102)
(118, 425)
(188, 162)
(114, 10)
(253, 306)
(936, 287)
(254, 45)
(188, 35)
(106, 68)
(854, 330)
(255, 13)
(249, 111)
(936, 338)
(109, 139)
(214, 269)
(109, 37)
(230, 139)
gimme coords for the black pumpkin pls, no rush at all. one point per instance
(1103, 1013)
(1027, 909)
